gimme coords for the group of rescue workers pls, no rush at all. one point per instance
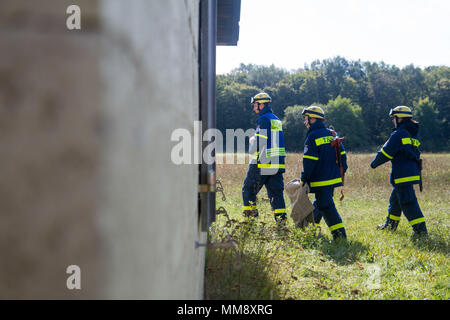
(325, 165)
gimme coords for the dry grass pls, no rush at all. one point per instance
(294, 264)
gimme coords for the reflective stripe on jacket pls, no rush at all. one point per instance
(320, 168)
(402, 149)
(271, 150)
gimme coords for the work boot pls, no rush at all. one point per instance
(388, 225)
(417, 236)
(420, 231)
(251, 213)
(280, 220)
(281, 223)
(339, 234)
(280, 217)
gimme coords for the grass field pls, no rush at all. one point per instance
(267, 263)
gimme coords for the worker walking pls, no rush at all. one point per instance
(321, 169)
(402, 150)
(267, 164)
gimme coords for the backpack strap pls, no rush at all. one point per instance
(336, 143)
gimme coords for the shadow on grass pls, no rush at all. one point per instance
(343, 252)
(251, 270)
(246, 270)
(437, 240)
(434, 242)
(233, 275)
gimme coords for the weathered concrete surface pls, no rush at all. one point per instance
(149, 213)
(85, 171)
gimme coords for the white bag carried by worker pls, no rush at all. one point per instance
(302, 208)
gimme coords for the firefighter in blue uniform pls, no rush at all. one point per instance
(402, 150)
(267, 164)
(321, 170)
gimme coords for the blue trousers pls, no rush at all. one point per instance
(253, 183)
(324, 207)
(403, 199)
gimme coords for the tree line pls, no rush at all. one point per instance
(356, 97)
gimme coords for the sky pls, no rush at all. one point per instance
(292, 33)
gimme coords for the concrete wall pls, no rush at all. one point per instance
(85, 172)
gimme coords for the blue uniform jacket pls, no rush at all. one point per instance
(402, 149)
(320, 168)
(271, 150)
